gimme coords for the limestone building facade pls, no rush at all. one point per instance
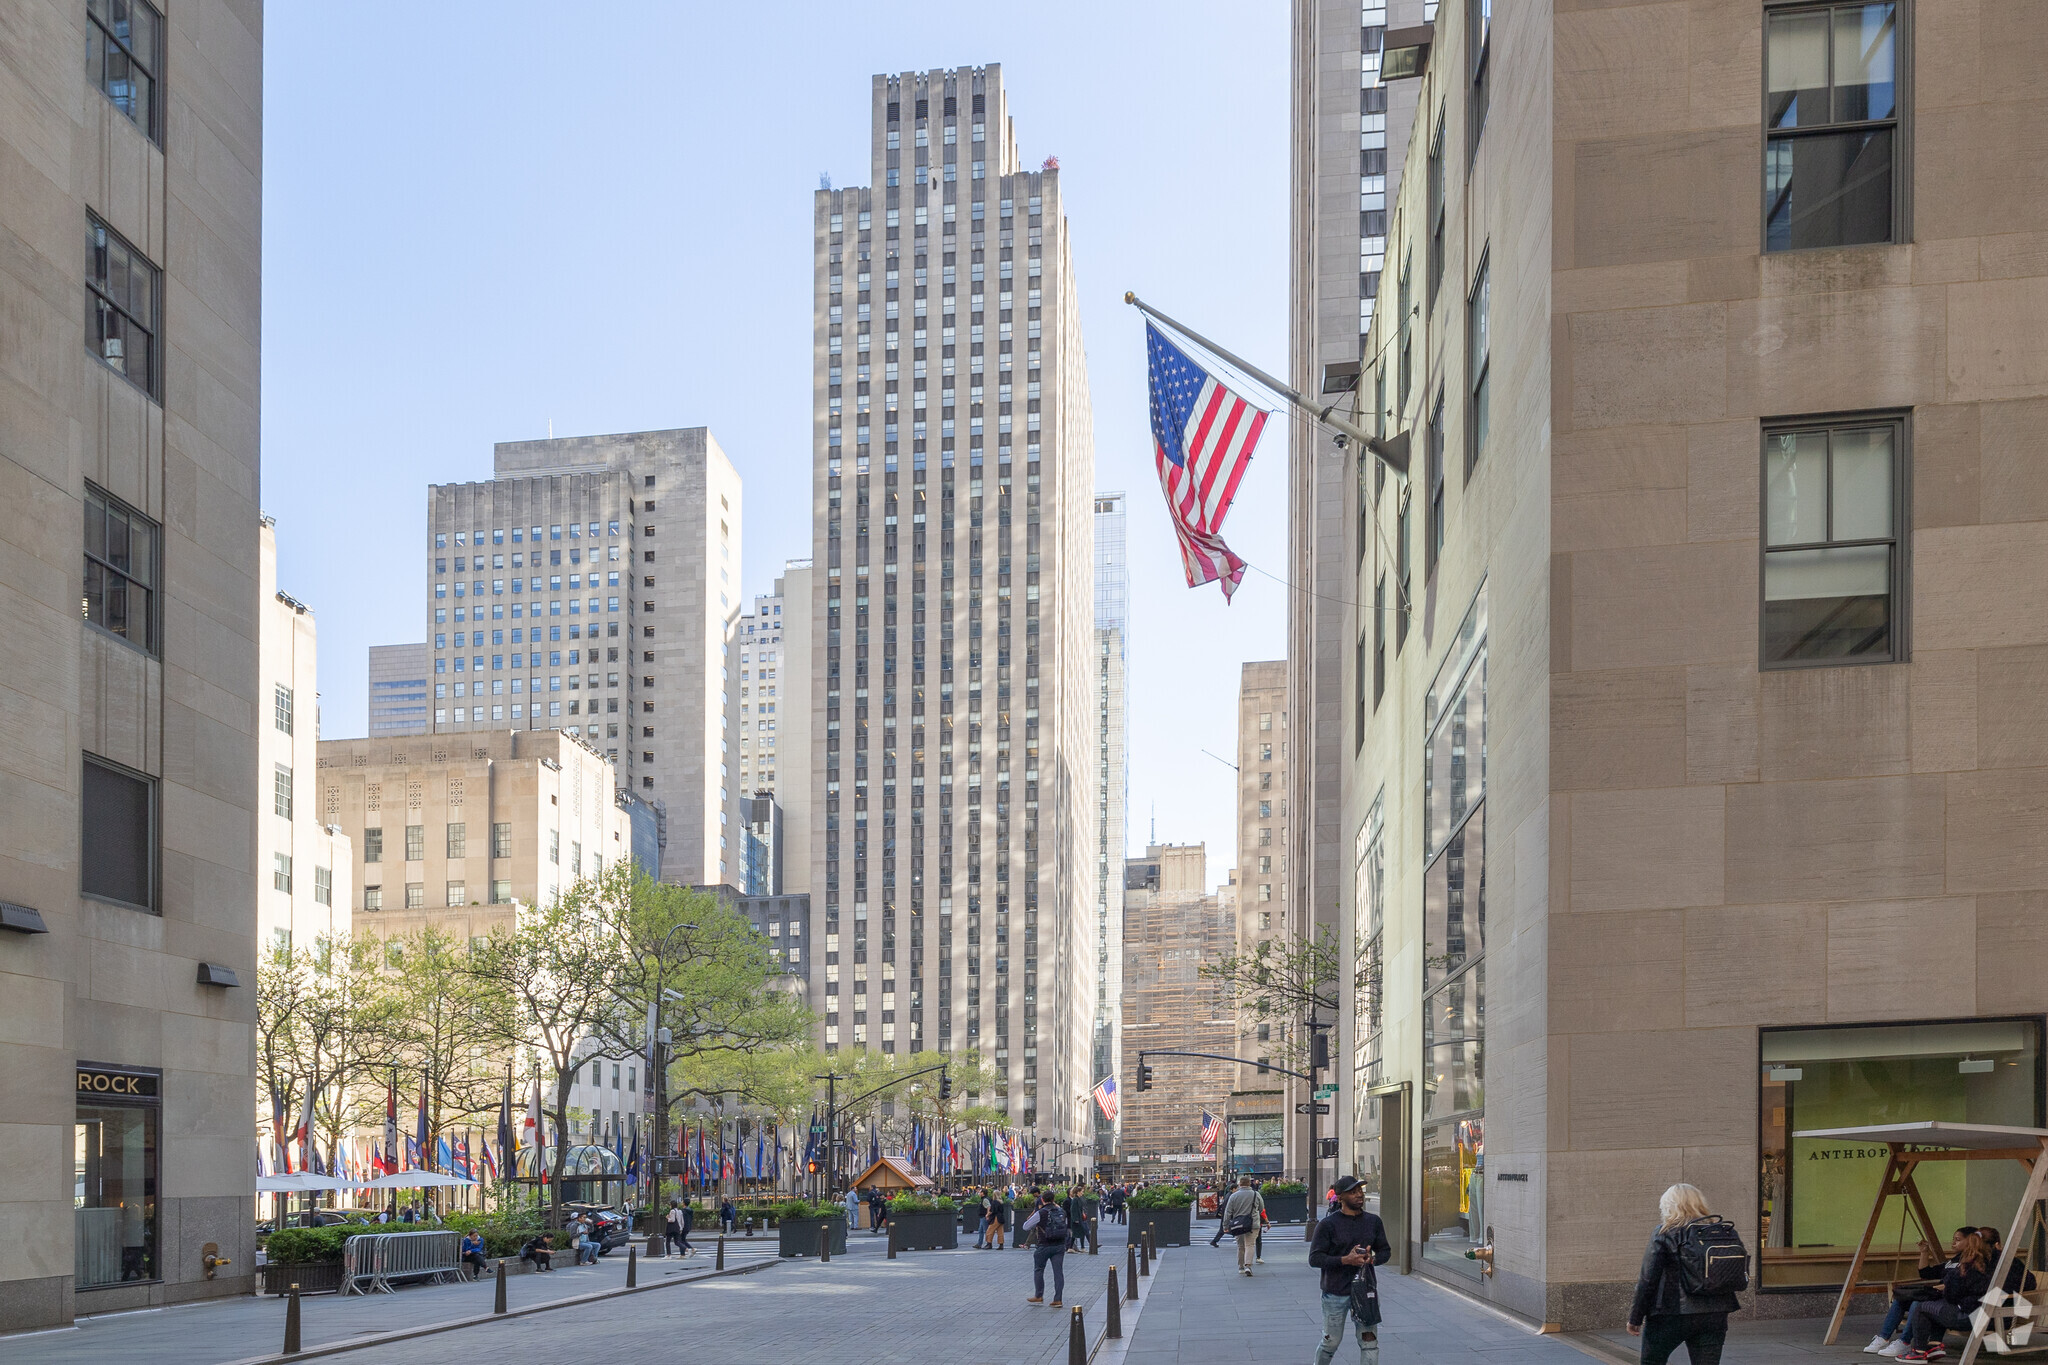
(953, 664)
(131, 177)
(1691, 794)
(772, 736)
(624, 552)
(1262, 1101)
(1174, 925)
(1112, 790)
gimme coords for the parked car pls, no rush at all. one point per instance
(317, 1218)
(608, 1227)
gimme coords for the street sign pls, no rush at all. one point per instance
(1305, 1108)
(1326, 1092)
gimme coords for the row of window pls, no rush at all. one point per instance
(519, 534)
(456, 894)
(456, 837)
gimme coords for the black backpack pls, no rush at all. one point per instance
(1052, 1225)
(1711, 1258)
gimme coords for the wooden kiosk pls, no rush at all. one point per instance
(893, 1175)
(2003, 1322)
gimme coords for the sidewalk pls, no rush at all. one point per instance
(220, 1330)
(1201, 1310)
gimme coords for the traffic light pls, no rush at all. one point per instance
(945, 1086)
(814, 1168)
(1144, 1076)
(1322, 1051)
(1326, 1147)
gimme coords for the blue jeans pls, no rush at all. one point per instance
(1337, 1308)
(1041, 1254)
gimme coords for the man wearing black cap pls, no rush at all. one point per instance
(1347, 1245)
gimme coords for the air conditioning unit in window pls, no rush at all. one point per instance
(111, 348)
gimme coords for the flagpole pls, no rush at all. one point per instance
(1394, 454)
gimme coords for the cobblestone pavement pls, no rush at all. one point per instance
(234, 1329)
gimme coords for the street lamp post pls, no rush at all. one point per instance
(657, 1057)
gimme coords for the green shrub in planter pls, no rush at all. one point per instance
(918, 1203)
(307, 1246)
(1273, 1187)
(1161, 1197)
(790, 1210)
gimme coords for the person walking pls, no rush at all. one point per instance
(981, 1204)
(1686, 1290)
(728, 1216)
(852, 1208)
(1240, 1217)
(676, 1229)
(1346, 1247)
(1054, 1230)
(998, 1217)
(689, 1222)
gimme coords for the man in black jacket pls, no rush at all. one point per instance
(1347, 1244)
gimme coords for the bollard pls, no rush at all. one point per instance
(1145, 1254)
(498, 1306)
(632, 1267)
(825, 1243)
(1077, 1340)
(1131, 1268)
(721, 1253)
(291, 1323)
(892, 1239)
(1094, 1236)
(1113, 1326)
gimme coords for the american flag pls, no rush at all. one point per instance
(1212, 1128)
(1203, 436)
(1105, 1097)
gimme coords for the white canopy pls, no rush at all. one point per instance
(299, 1182)
(1972, 1136)
(414, 1180)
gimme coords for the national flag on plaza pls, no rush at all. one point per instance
(532, 1134)
(633, 1160)
(504, 1121)
(426, 1149)
(304, 1137)
(1203, 436)
(1212, 1128)
(490, 1161)
(1105, 1097)
(391, 1125)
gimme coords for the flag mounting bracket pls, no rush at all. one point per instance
(1393, 453)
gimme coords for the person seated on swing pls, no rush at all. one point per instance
(1891, 1340)
(2018, 1279)
(1964, 1280)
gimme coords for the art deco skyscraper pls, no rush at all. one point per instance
(954, 692)
(1112, 789)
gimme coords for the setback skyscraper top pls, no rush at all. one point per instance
(953, 596)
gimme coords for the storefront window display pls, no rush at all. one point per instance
(1815, 1195)
(114, 1192)
(1454, 951)
(1256, 1145)
(1370, 850)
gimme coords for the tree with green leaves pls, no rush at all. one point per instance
(1281, 982)
(312, 1008)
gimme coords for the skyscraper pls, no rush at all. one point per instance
(1112, 789)
(953, 684)
(602, 603)
(398, 690)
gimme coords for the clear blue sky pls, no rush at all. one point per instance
(482, 218)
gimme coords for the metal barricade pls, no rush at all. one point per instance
(372, 1261)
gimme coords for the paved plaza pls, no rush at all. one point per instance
(963, 1307)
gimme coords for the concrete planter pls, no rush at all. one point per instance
(1287, 1208)
(312, 1277)
(1169, 1227)
(799, 1236)
(937, 1231)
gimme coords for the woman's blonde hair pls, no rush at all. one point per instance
(1681, 1204)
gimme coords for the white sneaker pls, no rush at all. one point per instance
(1877, 1345)
(1897, 1348)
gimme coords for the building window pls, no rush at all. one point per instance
(118, 844)
(501, 840)
(123, 561)
(115, 1151)
(1404, 519)
(123, 296)
(555, 846)
(1814, 1200)
(1433, 536)
(124, 44)
(501, 892)
(323, 886)
(415, 843)
(281, 708)
(1479, 41)
(1454, 949)
(415, 895)
(373, 844)
(458, 840)
(373, 898)
(457, 894)
(1478, 362)
(1832, 575)
(281, 791)
(1379, 640)
(1436, 210)
(1370, 859)
(281, 872)
(1831, 120)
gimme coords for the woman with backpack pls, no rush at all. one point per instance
(1691, 1272)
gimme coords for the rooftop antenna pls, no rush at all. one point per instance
(1155, 822)
(551, 428)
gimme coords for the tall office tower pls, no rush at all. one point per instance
(1258, 1107)
(303, 864)
(1350, 133)
(953, 682)
(1174, 925)
(593, 585)
(398, 690)
(1112, 791)
(773, 732)
(130, 381)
